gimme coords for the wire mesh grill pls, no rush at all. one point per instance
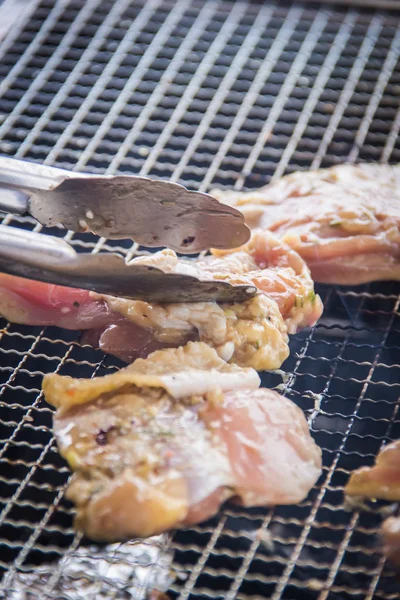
(209, 94)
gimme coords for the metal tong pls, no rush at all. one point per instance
(153, 213)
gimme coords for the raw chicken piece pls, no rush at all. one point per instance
(253, 333)
(35, 303)
(343, 221)
(273, 458)
(382, 482)
(279, 272)
(163, 443)
(273, 267)
(391, 539)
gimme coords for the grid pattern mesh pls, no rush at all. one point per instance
(209, 94)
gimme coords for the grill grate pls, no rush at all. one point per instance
(207, 93)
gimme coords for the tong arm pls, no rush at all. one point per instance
(153, 213)
(52, 260)
(19, 175)
(27, 175)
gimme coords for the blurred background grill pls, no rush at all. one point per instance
(209, 94)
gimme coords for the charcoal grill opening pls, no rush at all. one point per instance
(210, 94)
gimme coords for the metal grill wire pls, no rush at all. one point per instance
(209, 94)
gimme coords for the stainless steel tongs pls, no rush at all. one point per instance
(153, 213)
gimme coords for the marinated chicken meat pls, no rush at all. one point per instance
(391, 539)
(164, 442)
(382, 482)
(279, 272)
(252, 334)
(343, 221)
